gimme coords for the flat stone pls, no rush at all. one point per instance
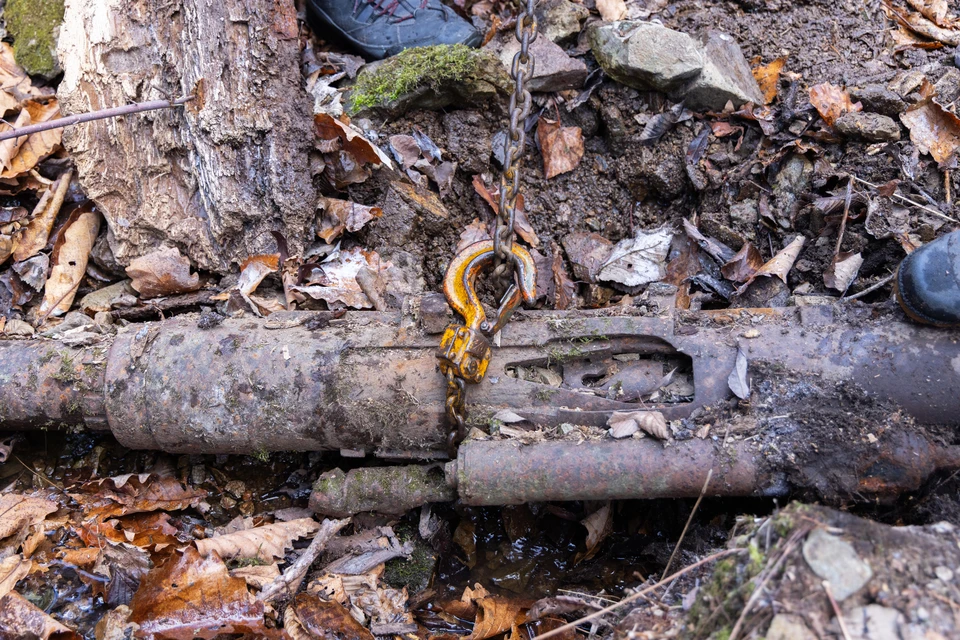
(106, 298)
(871, 127)
(726, 77)
(948, 87)
(789, 627)
(560, 19)
(878, 99)
(834, 559)
(873, 622)
(645, 55)
(554, 69)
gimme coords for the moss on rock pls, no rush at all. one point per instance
(433, 77)
(35, 25)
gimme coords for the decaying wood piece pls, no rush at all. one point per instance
(215, 177)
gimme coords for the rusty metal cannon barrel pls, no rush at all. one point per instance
(367, 384)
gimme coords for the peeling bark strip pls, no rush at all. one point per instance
(212, 179)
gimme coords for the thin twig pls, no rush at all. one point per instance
(788, 548)
(908, 200)
(112, 112)
(289, 581)
(843, 220)
(870, 289)
(703, 491)
(637, 595)
(946, 186)
(836, 610)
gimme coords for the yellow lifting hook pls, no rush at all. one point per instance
(465, 349)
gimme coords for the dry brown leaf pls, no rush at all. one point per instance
(779, 265)
(337, 280)
(496, 615)
(37, 146)
(115, 625)
(69, 260)
(562, 147)
(423, 200)
(684, 266)
(831, 102)
(190, 596)
(625, 423)
(521, 224)
(935, 10)
(257, 576)
(737, 380)
(83, 557)
(12, 569)
(267, 543)
(10, 147)
(587, 253)
(16, 612)
(319, 619)
(742, 266)
(15, 84)
(35, 235)
(254, 269)
(933, 130)
(612, 10)
(564, 289)
(407, 148)
(342, 215)
(842, 271)
(599, 525)
(351, 140)
(162, 272)
(143, 493)
(17, 512)
(768, 77)
(474, 232)
(929, 29)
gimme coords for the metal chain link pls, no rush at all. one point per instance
(521, 70)
(456, 411)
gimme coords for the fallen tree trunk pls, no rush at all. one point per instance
(214, 178)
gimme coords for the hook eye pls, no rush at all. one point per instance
(459, 285)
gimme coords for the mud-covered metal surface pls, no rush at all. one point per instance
(366, 383)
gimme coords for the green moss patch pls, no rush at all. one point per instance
(431, 67)
(34, 25)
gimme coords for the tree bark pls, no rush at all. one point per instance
(215, 177)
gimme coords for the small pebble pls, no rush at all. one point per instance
(944, 574)
(227, 502)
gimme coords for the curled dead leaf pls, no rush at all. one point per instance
(496, 615)
(36, 146)
(779, 265)
(842, 271)
(163, 272)
(599, 525)
(564, 290)
(831, 102)
(323, 620)
(35, 235)
(124, 495)
(933, 130)
(342, 215)
(737, 380)
(626, 423)
(190, 596)
(474, 232)
(266, 543)
(768, 77)
(12, 569)
(18, 511)
(562, 147)
(743, 265)
(16, 612)
(69, 259)
(521, 225)
(351, 140)
(612, 10)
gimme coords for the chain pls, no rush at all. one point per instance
(456, 411)
(521, 70)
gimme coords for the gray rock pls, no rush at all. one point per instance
(871, 127)
(791, 182)
(872, 622)
(645, 55)
(789, 627)
(948, 87)
(879, 99)
(554, 69)
(560, 19)
(726, 77)
(834, 559)
(107, 298)
(743, 215)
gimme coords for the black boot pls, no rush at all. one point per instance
(381, 28)
(928, 282)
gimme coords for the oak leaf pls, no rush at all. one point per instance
(768, 77)
(18, 511)
(163, 272)
(266, 543)
(342, 215)
(16, 612)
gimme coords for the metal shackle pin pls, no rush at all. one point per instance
(928, 282)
